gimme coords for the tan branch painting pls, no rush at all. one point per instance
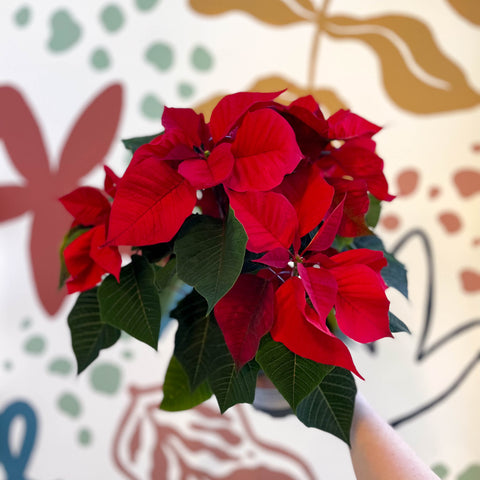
(417, 75)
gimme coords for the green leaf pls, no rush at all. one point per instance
(395, 273)
(329, 407)
(133, 304)
(342, 243)
(195, 337)
(294, 377)
(396, 325)
(165, 275)
(133, 143)
(229, 385)
(373, 214)
(203, 353)
(176, 390)
(89, 334)
(169, 287)
(210, 255)
(72, 235)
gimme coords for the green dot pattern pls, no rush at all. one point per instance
(160, 55)
(7, 365)
(26, 323)
(145, 5)
(35, 345)
(84, 437)
(440, 470)
(185, 90)
(152, 107)
(471, 473)
(201, 59)
(100, 59)
(105, 378)
(65, 31)
(127, 354)
(69, 405)
(22, 16)
(112, 18)
(60, 366)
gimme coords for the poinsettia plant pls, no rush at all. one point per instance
(267, 213)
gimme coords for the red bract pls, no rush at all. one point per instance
(268, 218)
(354, 195)
(296, 326)
(231, 108)
(286, 172)
(309, 194)
(87, 258)
(87, 205)
(265, 150)
(111, 181)
(242, 322)
(308, 123)
(361, 305)
(353, 161)
(349, 283)
(357, 159)
(344, 125)
(210, 171)
(151, 204)
(246, 147)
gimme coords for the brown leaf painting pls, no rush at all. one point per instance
(417, 75)
(328, 99)
(274, 12)
(469, 9)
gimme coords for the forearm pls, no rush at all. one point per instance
(378, 452)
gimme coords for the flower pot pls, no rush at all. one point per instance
(268, 399)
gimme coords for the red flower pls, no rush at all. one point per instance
(345, 125)
(245, 314)
(247, 147)
(297, 326)
(309, 283)
(87, 258)
(318, 280)
(352, 168)
(357, 159)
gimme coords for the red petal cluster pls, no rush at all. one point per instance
(247, 147)
(287, 172)
(87, 258)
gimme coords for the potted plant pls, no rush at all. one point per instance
(267, 212)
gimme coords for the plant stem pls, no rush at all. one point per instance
(222, 201)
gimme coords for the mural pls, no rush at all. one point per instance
(210, 446)
(14, 463)
(85, 147)
(78, 78)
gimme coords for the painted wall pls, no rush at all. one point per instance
(76, 77)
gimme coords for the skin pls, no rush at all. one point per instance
(377, 450)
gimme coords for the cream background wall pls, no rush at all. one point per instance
(412, 67)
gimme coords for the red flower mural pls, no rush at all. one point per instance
(223, 447)
(86, 146)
